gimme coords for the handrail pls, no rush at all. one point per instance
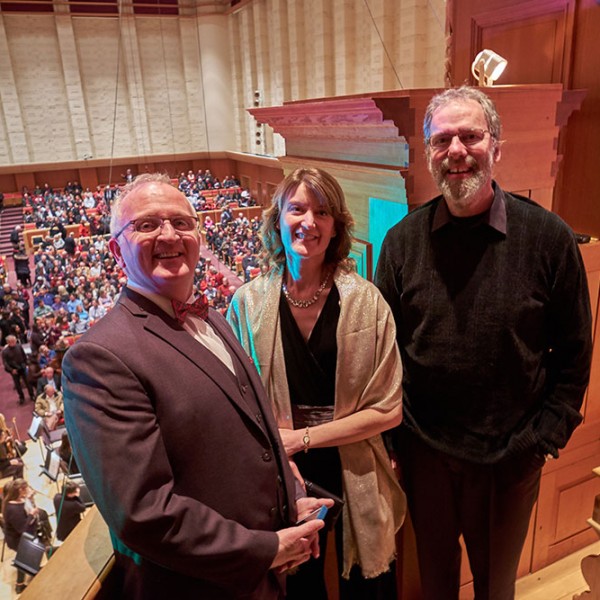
(78, 569)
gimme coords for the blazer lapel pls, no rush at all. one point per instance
(160, 324)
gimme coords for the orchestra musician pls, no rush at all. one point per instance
(21, 515)
(11, 450)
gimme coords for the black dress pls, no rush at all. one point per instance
(311, 371)
(68, 511)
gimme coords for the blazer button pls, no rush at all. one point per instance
(273, 511)
(244, 388)
(279, 480)
(258, 417)
(266, 456)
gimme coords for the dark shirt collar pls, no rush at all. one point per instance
(495, 216)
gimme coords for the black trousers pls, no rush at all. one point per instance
(490, 505)
(19, 379)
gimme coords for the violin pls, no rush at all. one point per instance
(11, 452)
(14, 446)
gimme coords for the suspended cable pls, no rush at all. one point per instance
(437, 17)
(202, 83)
(137, 109)
(166, 72)
(116, 103)
(383, 44)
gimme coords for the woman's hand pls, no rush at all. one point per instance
(305, 506)
(297, 474)
(292, 440)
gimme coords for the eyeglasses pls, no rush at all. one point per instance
(150, 225)
(467, 137)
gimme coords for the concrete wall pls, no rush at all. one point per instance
(81, 87)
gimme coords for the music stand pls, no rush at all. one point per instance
(30, 552)
(51, 467)
(34, 429)
(52, 437)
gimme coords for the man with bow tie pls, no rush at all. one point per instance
(171, 427)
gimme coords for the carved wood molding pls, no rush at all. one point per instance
(590, 567)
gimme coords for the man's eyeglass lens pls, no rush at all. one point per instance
(468, 137)
(151, 224)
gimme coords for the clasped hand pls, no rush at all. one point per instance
(297, 544)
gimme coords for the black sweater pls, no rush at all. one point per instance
(494, 328)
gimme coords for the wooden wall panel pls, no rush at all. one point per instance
(577, 197)
(515, 39)
(534, 36)
(567, 493)
(260, 172)
(591, 407)
(544, 41)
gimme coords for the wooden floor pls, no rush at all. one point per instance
(559, 581)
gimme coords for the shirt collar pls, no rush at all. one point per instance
(495, 217)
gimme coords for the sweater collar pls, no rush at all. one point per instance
(495, 216)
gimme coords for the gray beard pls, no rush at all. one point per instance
(462, 193)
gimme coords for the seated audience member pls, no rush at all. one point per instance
(84, 229)
(42, 310)
(97, 310)
(68, 508)
(49, 376)
(50, 406)
(73, 303)
(45, 358)
(6, 295)
(58, 242)
(77, 325)
(58, 303)
(82, 312)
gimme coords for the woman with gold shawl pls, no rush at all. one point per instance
(323, 341)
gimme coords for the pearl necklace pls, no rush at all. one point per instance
(305, 303)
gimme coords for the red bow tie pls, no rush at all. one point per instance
(198, 307)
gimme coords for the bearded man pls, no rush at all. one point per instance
(490, 298)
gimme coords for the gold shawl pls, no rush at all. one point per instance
(369, 374)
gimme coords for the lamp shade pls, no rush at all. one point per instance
(487, 67)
